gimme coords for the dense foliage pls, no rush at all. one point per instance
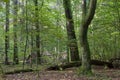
(104, 31)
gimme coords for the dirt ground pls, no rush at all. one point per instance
(70, 74)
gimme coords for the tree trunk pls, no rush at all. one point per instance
(87, 16)
(15, 56)
(32, 45)
(26, 30)
(37, 32)
(7, 32)
(72, 43)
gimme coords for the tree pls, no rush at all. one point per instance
(37, 31)
(24, 23)
(72, 43)
(15, 56)
(7, 32)
(107, 29)
(87, 16)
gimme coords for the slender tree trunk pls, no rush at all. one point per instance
(32, 45)
(7, 33)
(72, 43)
(87, 16)
(27, 31)
(15, 56)
(37, 32)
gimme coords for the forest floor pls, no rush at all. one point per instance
(100, 73)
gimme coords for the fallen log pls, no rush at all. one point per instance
(115, 62)
(64, 66)
(101, 63)
(77, 64)
(19, 71)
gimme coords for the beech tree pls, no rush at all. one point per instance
(72, 43)
(88, 11)
(7, 32)
(37, 31)
(15, 56)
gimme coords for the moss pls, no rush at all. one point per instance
(83, 71)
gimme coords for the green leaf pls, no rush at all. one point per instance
(115, 33)
(5, 0)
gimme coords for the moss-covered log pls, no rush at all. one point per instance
(19, 71)
(64, 66)
(77, 64)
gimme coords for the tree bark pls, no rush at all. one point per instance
(37, 32)
(7, 32)
(15, 56)
(72, 42)
(25, 13)
(77, 64)
(87, 16)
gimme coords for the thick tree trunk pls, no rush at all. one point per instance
(85, 50)
(87, 16)
(15, 56)
(37, 32)
(7, 33)
(72, 43)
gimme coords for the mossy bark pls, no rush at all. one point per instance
(37, 32)
(15, 12)
(7, 32)
(72, 42)
(87, 16)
